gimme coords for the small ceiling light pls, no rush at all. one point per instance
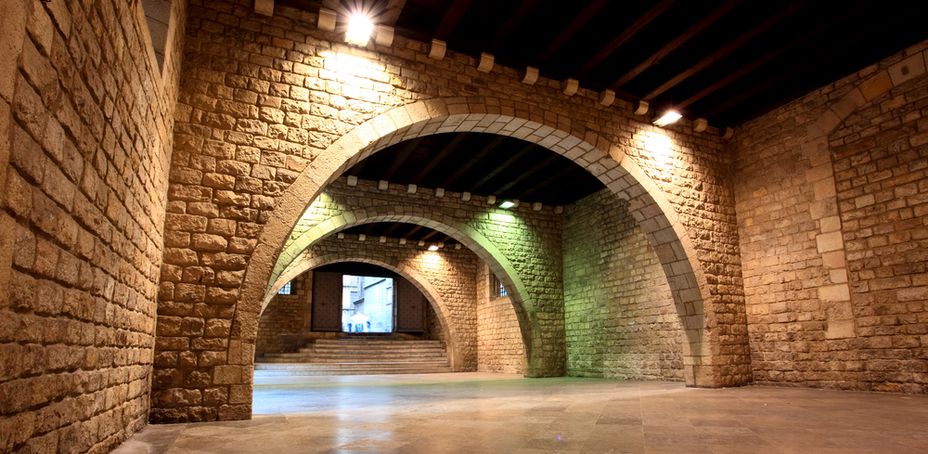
(670, 117)
(360, 29)
(433, 247)
(507, 204)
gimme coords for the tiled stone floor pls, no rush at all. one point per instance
(489, 413)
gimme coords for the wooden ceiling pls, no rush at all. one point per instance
(412, 233)
(482, 164)
(357, 269)
(724, 60)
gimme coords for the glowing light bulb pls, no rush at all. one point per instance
(669, 117)
(360, 29)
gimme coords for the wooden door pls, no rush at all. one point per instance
(410, 307)
(327, 302)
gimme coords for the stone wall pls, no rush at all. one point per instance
(880, 157)
(286, 319)
(262, 103)
(285, 323)
(619, 314)
(86, 120)
(447, 276)
(830, 194)
(499, 342)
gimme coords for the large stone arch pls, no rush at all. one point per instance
(484, 248)
(821, 176)
(309, 261)
(604, 159)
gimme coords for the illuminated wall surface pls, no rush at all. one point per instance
(524, 245)
(619, 315)
(143, 210)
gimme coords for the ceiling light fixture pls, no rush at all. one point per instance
(507, 204)
(670, 117)
(433, 247)
(360, 29)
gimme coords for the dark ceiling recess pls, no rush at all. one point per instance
(357, 269)
(482, 164)
(725, 60)
(412, 233)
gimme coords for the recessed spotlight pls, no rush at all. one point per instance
(360, 29)
(507, 204)
(433, 247)
(669, 117)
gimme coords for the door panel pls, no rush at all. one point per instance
(327, 301)
(410, 307)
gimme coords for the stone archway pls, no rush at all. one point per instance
(309, 261)
(603, 159)
(485, 249)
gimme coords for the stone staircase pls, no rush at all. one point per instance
(359, 356)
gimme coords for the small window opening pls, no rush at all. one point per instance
(287, 289)
(497, 289)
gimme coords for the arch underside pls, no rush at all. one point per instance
(309, 261)
(607, 162)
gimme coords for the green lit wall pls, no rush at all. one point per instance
(620, 319)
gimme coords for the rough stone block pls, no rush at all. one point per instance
(828, 242)
(840, 329)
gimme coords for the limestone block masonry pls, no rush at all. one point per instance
(86, 134)
(620, 319)
(499, 341)
(831, 194)
(445, 277)
(271, 110)
(285, 322)
(522, 242)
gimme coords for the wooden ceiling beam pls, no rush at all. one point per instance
(391, 12)
(527, 174)
(429, 235)
(502, 166)
(624, 37)
(401, 158)
(494, 144)
(409, 235)
(581, 19)
(439, 157)
(752, 66)
(451, 19)
(516, 18)
(731, 102)
(675, 44)
(545, 183)
(393, 227)
(725, 50)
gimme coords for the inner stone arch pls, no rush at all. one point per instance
(312, 259)
(621, 176)
(485, 249)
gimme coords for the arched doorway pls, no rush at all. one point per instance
(622, 176)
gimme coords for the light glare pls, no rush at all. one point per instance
(360, 29)
(669, 117)
(433, 248)
(507, 204)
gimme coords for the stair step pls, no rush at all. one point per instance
(375, 341)
(310, 360)
(373, 350)
(359, 356)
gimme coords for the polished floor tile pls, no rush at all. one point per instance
(492, 413)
